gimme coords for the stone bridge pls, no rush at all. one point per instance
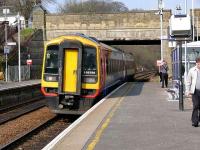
(142, 25)
(127, 26)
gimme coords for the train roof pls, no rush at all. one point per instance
(63, 37)
(93, 39)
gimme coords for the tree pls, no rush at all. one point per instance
(95, 6)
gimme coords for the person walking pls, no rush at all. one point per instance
(193, 88)
(163, 70)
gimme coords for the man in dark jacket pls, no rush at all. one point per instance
(164, 69)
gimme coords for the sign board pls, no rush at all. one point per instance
(180, 26)
(6, 11)
(11, 43)
(29, 61)
(159, 63)
(6, 49)
(172, 44)
(160, 4)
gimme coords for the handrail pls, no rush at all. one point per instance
(13, 54)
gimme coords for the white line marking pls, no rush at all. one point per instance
(171, 100)
(73, 125)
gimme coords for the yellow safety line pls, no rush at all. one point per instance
(105, 124)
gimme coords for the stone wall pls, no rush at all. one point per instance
(144, 25)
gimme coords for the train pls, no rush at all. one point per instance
(77, 69)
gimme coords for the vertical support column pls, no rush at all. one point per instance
(181, 104)
(193, 20)
(19, 48)
(161, 33)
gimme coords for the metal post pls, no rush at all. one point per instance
(160, 7)
(185, 75)
(197, 28)
(193, 19)
(185, 45)
(181, 106)
(185, 6)
(19, 49)
(29, 67)
(6, 40)
(161, 33)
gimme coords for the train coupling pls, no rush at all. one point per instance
(67, 101)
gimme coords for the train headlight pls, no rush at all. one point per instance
(89, 79)
(51, 78)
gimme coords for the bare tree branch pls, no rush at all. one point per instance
(97, 6)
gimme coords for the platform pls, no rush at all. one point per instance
(136, 117)
(11, 85)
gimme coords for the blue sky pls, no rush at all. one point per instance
(151, 4)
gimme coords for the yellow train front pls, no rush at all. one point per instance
(78, 69)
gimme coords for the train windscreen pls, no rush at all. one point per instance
(51, 65)
(89, 61)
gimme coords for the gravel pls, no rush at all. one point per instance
(15, 128)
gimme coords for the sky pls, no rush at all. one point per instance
(148, 4)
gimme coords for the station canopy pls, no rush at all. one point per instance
(193, 44)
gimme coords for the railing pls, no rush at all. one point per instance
(13, 73)
(14, 53)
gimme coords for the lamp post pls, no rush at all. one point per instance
(185, 6)
(193, 20)
(186, 70)
(160, 7)
(19, 49)
(6, 50)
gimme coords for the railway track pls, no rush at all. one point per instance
(7, 108)
(40, 135)
(144, 75)
(11, 113)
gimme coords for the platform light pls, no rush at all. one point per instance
(19, 48)
(161, 7)
(5, 12)
(180, 30)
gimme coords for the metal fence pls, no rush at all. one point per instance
(13, 74)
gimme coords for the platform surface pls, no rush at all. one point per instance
(10, 85)
(145, 120)
(136, 117)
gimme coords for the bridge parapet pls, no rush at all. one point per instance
(129, 26)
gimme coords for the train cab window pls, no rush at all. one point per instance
(89, 65)
(51, 65)
(89, 61)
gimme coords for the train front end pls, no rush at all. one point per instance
(70, 76)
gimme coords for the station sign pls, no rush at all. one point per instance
(29, 62)
(6, 49)
(11, 43)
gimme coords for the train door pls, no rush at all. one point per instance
(103, 67)
(70, 68)
(70, 54)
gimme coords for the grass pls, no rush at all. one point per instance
(26, 33)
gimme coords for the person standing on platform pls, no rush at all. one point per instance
(193, 88)
(160, 74)
(163, 70)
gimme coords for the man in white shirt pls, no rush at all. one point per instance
(193, 88)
